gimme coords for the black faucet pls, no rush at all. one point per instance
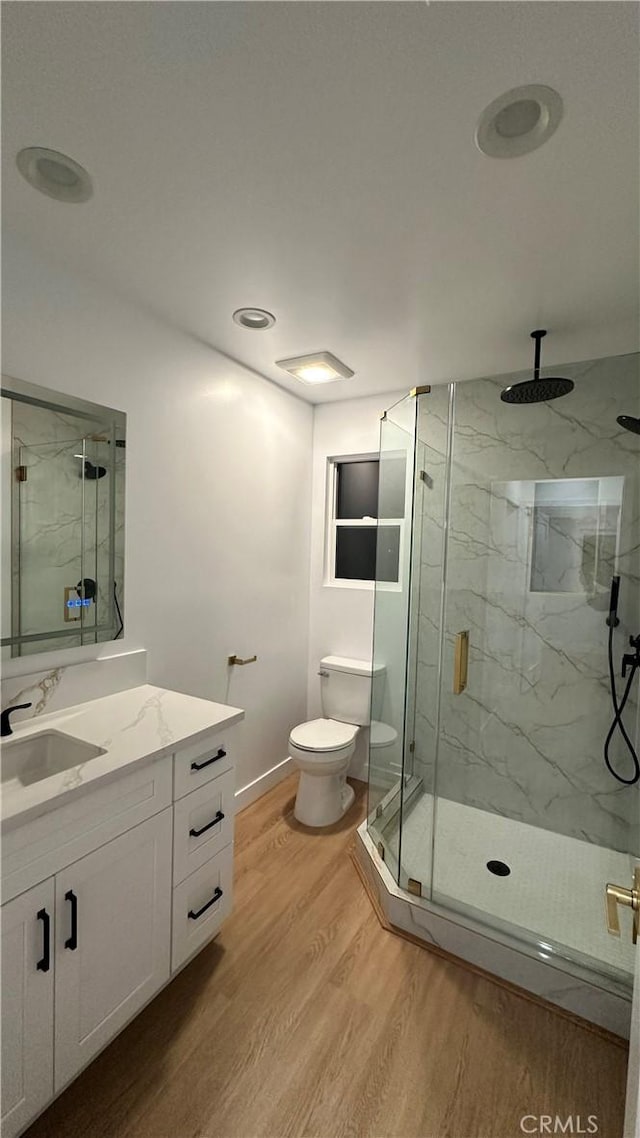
(5, 721)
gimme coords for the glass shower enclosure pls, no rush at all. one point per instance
(493, 799)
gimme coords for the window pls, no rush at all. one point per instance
(366, 500)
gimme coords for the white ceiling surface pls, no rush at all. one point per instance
(317, 159)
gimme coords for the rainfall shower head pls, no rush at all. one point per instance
(537, 390)
(92, 471)
(630, 423)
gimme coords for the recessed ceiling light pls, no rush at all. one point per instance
(519, 121)
(319, 367)
(54, 174)
(256, 318)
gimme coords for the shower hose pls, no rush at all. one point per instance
(618, 709)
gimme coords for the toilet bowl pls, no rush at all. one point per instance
(322, 748)
(382, 736)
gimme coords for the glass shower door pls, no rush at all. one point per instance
(390, 759)
(431, 485)
(529, 823)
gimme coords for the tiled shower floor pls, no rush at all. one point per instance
(556, 887)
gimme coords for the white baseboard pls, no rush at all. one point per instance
(253, 790)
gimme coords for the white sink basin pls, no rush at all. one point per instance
(39, 756)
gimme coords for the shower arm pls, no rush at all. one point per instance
(537, 336)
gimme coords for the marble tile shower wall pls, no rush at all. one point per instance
(60, 537)
(544, 507)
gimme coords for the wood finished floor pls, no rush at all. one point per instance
(307, 1019)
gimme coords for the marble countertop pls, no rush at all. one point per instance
(133, 727)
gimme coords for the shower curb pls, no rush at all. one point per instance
(604, 1013)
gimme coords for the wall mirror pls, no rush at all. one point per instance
(62, 499)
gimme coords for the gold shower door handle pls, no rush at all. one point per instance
(630, 898)
(461, 662)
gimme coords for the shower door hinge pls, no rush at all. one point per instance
(21, 474)
(426, 478)
(412, 746)
(414, 887)
(72, 604)
(380, 848)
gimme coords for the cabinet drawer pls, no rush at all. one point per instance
(200, 905)
(199, 831)
(198, 764)
(47, 844)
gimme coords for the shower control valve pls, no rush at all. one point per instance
(631, 659)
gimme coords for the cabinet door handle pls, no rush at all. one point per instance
(214, 822)
(45, 964)
(216, 897)
(207, 763)
(72, 940)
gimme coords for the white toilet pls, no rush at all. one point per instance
(322, 748)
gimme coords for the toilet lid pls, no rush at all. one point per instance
(323, 735)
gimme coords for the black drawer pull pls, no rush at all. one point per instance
(196, 833)
(216, 897)
(72, 940)
(44, 964)
(222, 754)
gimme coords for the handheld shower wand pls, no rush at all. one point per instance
(612, 619)
(630, 664)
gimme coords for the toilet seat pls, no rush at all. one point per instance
(324, 735)
(382, 734)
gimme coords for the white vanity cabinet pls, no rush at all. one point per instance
(139, 879)
(27, 1006)
(204, 784)
(113, 921)
(96, 939)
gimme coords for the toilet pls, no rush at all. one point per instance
(322, 748)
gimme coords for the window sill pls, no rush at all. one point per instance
(365, 586)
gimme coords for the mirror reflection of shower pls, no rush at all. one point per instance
(91, 470)
(63, 488)
(630, 423)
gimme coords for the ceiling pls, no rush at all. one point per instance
(317, 160)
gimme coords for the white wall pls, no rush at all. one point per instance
(6, 483)
(340, 619)
(218, 491)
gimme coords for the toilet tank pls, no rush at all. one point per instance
(346, 689)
